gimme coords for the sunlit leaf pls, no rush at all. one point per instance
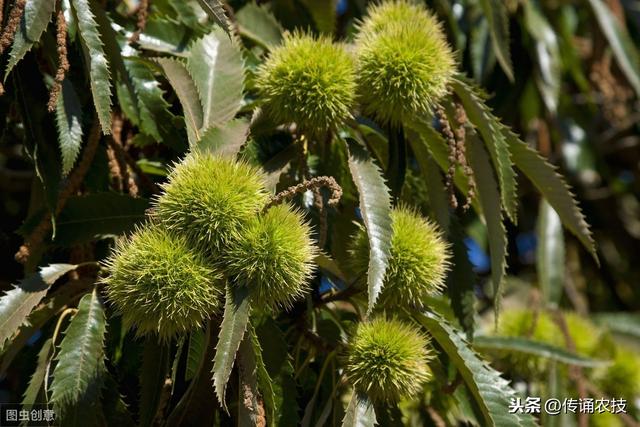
(16, 304)
(375, 206)
(36, 17)
(226, 140)
(536, 348)
(215, 10)
(360, 412)
(547, 54)
(234, 324)
(623, 47)
(187, 93)
(34, 390)
(258, 24)
(550, 254)
(489, 127)
(553, 187)
(216, 67)
(77, 377)
(69, 121)
(489, 197)
(98, 66)
(490, 391)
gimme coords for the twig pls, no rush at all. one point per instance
(314, 183)
(73, 184)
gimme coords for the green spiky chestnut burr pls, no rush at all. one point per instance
(388, 360)
(160, 284)
(208, 198)
(418, 263)
(621, 379)
(273, 256)
(309, 81)
(404, 63)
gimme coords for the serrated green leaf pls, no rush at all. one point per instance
(216, 67)
(155, 118)
(547, 51)
(69, 121)
(33, 391)
(226, 140)
(498, 20)
(215, 10)
(234, 324)
(620, 322)
(96, 215)
(52, 305)
(375, 207)
(16, 304)
(487, 194)
(623, 47)
(98, 66)
(114, 408)
(155, 365)
(195, 351)
(360, 412)
(553, 187)
(490, 129)
(323, 13)
(438, 201)
(491, 392)
(537, 348)
(77, 377)
(258, 24)
(187, 93)
(550, 254)
(160, 35)
(35, 19)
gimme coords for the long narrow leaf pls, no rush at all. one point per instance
(550, 254)
(16, 304)
(360, 412)
(536, 348)
(553, 188)
(489, 127)
(96, 61)
(77, 378)
(498, 20)
(487, 189)
(34, 20)
(234, 324)
(215, 10)
(33, 391)
(490, 391)
(69, 123)
(155, 364)
(375, 206)
(623, 47)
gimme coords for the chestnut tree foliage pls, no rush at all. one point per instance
(299, 212)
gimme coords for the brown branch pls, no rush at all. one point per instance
(63, 61)
(76, 177)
